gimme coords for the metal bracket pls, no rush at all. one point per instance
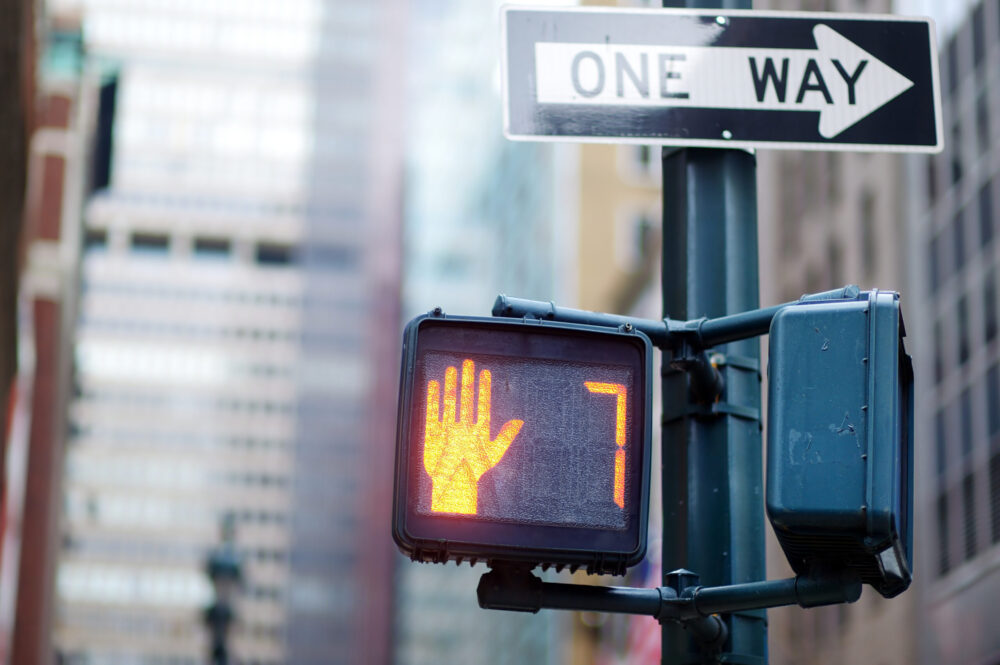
(683, 600)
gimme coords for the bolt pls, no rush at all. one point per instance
(722, 20)
(726, 134)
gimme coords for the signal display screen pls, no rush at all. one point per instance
(536, 442)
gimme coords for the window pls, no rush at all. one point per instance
(941, 442)
(212, 248)
(993, 399)
(95, 240)
(274, 254)
(958, 238)
(965, 407)
(956, 153)
(868, 242)
(792, 206)
(969, 508)
(938, 353)
(986, 213)
(953, 64)
(995, 498)
(930, 166)
(963, 330)
(934, 264)
(834, 257)
(944, 561)
(982, 123)
(989, 306)
(153, 244)
(978, 35)
(833, 176)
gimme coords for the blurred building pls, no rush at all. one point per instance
(60, 168)
(827, 219)
(484, 215)
(953, 212)
(618, 270)
(236, 335)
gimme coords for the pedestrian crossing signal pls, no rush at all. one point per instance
(523, 440)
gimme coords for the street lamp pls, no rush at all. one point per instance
(225, 570)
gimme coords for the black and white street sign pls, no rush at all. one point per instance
(724, 78)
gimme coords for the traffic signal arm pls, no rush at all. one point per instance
(667, 333)
(694, 606)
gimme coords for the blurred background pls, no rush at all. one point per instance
(217, 215)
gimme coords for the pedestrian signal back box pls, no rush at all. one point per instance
(840, 438)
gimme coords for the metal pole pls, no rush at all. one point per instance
(712, 469)
(712, 484)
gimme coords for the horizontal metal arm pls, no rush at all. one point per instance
(518, 590)
(668, 333)
(802, 591)
(695, 607)
(510, 307)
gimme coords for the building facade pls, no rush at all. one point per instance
(955, 259)
(60, 164)
(826, 219)
(235, 344)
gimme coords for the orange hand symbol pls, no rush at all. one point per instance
(458, 451)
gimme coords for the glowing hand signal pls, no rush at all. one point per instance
(458, 451)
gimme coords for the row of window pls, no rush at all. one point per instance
(256, 209)
(963, 328)
(965, 495)
(949, 250)
(186, 329)
(150, 472)
(962, 411)
(203, 293)
(265, 253)
(338, 337)
(173, 403)
(148, 439)
(953, 64)
(982, 35)
(148, 243)
(175, 552)
(73, 657)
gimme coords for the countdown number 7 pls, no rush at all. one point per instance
(618, 390)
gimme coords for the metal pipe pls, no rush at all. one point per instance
(735, 327)
(601, 599)
(801, 590)
(704, 333)
(510, 307)
(696, 608)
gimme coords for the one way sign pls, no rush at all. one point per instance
(748, 79)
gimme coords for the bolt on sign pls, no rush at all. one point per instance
(721, 78)
(523, 440)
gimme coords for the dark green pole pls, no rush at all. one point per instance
(713, 522)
